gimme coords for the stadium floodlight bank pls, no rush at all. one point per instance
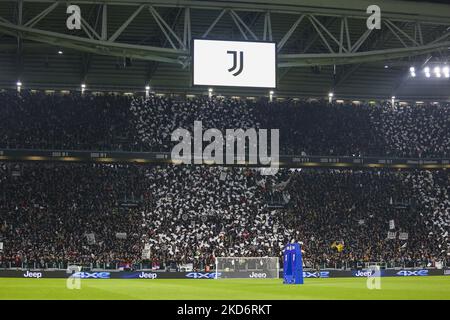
(247, 267)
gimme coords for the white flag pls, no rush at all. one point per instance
(392, 235)
(391, 224)
(403, 235)
(121, 235)
(90, 238)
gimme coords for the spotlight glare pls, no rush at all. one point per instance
(446, 72)
(437, 72)
(412, 69)
(427, 70)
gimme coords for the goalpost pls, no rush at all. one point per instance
(247, 267)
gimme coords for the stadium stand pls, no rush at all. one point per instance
(323, 153)
(115, 122)
(194, 213)
(59, 214)
(38, 120)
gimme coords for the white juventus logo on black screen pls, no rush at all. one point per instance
(241, 62)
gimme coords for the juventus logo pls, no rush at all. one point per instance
(241, 62)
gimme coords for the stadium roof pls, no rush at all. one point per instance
(123, 45)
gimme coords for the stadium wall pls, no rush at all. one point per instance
(160, 158)
(38, 274)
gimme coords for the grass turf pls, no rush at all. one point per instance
(436, 287)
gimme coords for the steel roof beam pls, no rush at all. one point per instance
(165, 28)
(288, 34)
(214, 23)
(187, 33)
(395, 33)
(104, 33)
(125, 24)
(361, 40)
(267, 27)
(301, 60)
(243, 24)
(414, 42)
(325, 41)
(32, 22)
(392, 9)
(179, 54)
(329, 33)
(95, 46)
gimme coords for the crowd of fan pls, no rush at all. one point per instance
(65, 122)
(413, 131)
(47, 212)
(157, 117)
(432, 191)
(53, 214)
(73, 213)
(319, 128)
(354, 208)
(114, 122)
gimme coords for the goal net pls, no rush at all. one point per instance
(247, 267)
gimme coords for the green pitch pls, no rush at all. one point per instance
(436, 287)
